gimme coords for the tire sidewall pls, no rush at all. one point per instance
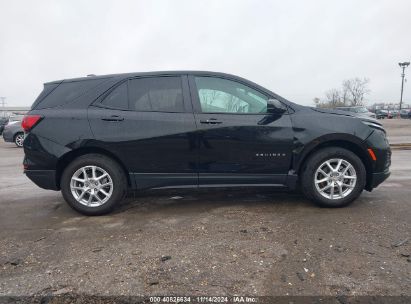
(111, 167)
(319, 158)
(15, 139)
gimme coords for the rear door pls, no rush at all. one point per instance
(148, 123)
(239, 142)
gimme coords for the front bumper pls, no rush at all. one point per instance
(378, 178)
(380, 168)
(45, 179)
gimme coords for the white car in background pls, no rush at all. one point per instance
(359, 111)
(13, 132)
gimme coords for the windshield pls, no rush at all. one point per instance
(361, 110)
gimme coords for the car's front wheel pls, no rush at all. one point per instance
(333, 177)
(93, 184)
(19, 139)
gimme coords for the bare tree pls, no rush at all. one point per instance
(352, 93)
(333, 98)
(356, 89)
(345, 96)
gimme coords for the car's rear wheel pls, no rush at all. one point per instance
(333, 177)
(93, 184)
(19, 139)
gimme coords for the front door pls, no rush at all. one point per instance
(239, 142)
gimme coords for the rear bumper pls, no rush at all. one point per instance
(45, 179)
(8, 135)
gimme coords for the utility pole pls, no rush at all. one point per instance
(3, 105)
(403, 65)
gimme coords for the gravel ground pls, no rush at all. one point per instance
(216, 242)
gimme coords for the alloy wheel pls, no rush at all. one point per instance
(19, 140)
(91, 186)
(335, 178)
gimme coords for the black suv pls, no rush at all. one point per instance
(97, 137)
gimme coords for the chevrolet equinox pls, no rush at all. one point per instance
(96, 137)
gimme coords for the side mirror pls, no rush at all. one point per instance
(276, 107)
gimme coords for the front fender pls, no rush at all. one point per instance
(302, 151)
(313, 130)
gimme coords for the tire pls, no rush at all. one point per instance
(19, 139)
(100, 203)
(315, 188)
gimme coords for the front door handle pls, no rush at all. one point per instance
(211, 121)
(113, 118)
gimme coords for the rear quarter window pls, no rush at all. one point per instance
(48, 88)
(66, 92)
(118, 98)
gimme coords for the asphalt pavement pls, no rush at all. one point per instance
(398, 131)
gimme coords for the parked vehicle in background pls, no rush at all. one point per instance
(13, 132)
(405, 113)
(3, 122)
(94, 138)
(381, 114)
(359, 111)
(389, 115)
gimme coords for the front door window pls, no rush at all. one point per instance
(218, 95)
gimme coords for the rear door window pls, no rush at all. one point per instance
(159, 94)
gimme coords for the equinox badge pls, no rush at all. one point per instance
(270, 154)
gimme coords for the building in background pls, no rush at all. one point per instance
(389, 106)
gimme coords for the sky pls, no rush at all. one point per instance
(298, 49)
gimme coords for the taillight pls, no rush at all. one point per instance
(29, 121)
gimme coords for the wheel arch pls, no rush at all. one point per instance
(67, 158)
(352, 144)
(17, 133)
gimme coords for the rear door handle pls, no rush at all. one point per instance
(113, 118)
(211, 121)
